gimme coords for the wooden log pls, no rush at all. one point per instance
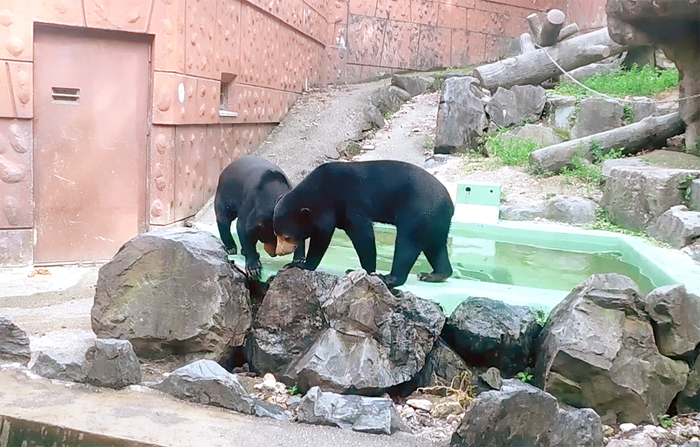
(535, 26)
(568, 31)
(535, 67)
(526, 43)
(647, 133)
(553, 23)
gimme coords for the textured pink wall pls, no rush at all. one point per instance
(272, 49)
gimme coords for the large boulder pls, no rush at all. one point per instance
(571, 209)
(289, 319)
(517, 210)
(364, 414)
(461, 118)
(634, 197)
(172, 290)
(678, 226)
(597, 115)
(389, 99)
(689, 398)
(375, 340)
(598, 350)
(414, 85)
(14, 343)
(442, 366)
(486, 332)
(542, 135)
(675, 316)
(560, 111)
(522, 415)
(516, 105)
(206, 382)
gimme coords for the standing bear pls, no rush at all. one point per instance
(351, 196)
(248, 189)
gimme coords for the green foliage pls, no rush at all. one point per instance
(645, 81)
(586, 170)
(293, 390)
(602, 223)
(429, 142)
(627, 114)
(541, 316)
(525, 377)
(685, 186)
(666, 421)
(511, 151)
(388, 115)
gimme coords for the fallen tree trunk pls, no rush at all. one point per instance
(647, 133)
(553, 23)
(568, 31)
(535, 67)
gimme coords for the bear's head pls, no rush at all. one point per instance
(292, 225)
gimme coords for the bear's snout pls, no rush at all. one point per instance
(284, 247)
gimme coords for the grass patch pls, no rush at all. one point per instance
(645, 81)
(511, 151)
(602, 223)
(591, 172)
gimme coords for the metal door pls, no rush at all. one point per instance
(91, 96)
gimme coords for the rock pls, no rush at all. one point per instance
(689, 398)
(675, 316)
(611, 163)
(638, 440)
(542, 135)
(289, 319)
(516, 105)
(206, 382)
(389, 99)
(442, 366)
(172, 290)
(486, 332)
(695, 195)
(678, 226)
(624, 428)
(597, 115)
(461, 118)
(560, 111)
(608, 431)
(597, 350)
(61, 366)
(420, 404)
(571, 209)
(492, 377)
(374, 116)
(634, 197)
(375, 340)
(364, 414)
(447, 408)
(14, 343)
(642, 107)
(522, 415)
(414, 85)
(522, 211)
(112, 364)
(593, 69)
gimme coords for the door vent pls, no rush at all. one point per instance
(63, 94)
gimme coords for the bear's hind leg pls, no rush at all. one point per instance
(405, 255)
(438, 258)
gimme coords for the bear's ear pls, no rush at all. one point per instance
(305, 214)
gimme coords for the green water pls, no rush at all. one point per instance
(481, 260)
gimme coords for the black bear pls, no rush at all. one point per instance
(248, 189)
(351, 196)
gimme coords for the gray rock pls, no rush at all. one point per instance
(642, 107)
(375, 340)
(389, 99)
(675, 316)
(678, 226)
(492, 377)
(593, 69)
(461, 118)
(112, 364)
(571, 209)
(206, 382)
(374, 116)
(522, 211)
(414, 85)
(695, 195)
(68, 366)
(14, 343)
(608, 165)
(634, 197)
(192, 300)
(597, 350)
(364, 414)
(597, 115)
(636, 440)
(522, 415)
(289, 319)
(689, 399)
(486, 332)
(560, 111)
(442, 366)
(542, 135)
(517, 105)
